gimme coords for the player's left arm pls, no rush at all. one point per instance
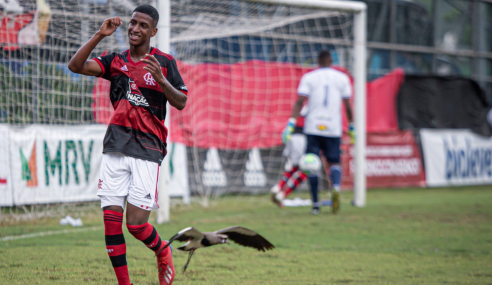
(176, 98)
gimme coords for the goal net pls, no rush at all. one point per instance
(241, 60)
(52, 121)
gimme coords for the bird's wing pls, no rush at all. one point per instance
(246, 237)
(187, 234)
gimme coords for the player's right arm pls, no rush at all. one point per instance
(303, 90)
(80, 62)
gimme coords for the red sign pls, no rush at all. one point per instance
(393, 160)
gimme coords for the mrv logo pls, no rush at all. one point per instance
(60, 162)
(468, 161)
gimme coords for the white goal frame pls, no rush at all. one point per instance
(359, 9)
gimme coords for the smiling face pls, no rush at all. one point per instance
(140, 29)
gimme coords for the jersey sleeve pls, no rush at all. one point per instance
(345, 87)
(304, 87)
(105, 64)
(174, 77)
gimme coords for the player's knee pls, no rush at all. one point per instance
(113, 208)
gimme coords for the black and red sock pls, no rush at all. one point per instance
(115, 245)
(147, 234)
(296, 179)
(286, 176)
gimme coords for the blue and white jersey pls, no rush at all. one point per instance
(325, 89)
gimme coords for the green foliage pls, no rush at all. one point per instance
(404, 236)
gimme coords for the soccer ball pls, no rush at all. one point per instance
(310, 163)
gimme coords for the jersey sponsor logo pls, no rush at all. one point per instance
(254, 175)
(99, 184)
(137, 100)
(148, 196)
(213, 174)
(322, 127)
(149, 80)
(124, 68)
(134, 96)
(183, 87)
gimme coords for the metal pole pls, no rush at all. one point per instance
(164, 44)
(360, 108)
(392, 30)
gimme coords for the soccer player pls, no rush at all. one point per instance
(291, 178)
(143, 79)
(324, 89)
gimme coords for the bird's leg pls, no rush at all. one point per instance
(190, 254)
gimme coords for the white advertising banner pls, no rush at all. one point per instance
(178, 182)
(52, 164)
(5, 181)
(456, 157)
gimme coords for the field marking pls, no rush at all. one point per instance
(49, 233)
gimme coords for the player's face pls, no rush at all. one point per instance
(140, 29)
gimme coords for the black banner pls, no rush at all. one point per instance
(215, 172)
(442, 102)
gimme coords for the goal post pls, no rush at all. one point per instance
(219, 38)
(359, 73)
(163, 214)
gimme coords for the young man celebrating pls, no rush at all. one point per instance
(325, 88)
(143, 79)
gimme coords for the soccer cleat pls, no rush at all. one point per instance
(315, 211)
(335, 201)
(275, 189)
(277, 198)
(165, 265)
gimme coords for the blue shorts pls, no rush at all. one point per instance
(329, 145)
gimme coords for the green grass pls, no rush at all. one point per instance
(405, 236)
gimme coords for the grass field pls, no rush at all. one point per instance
(404, 236)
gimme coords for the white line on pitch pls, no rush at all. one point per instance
(49, 233)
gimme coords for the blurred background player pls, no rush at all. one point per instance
(135, 142)
(324, 89)
(295, 147)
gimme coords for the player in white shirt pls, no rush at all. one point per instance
(325, 89)
(293, 151)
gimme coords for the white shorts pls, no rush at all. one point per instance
(295, 148)
(124, 177)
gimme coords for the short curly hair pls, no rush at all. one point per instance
(149, 10)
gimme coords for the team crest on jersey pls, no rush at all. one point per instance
(134, 95)
(149, 80)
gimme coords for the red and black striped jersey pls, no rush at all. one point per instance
(137, 126)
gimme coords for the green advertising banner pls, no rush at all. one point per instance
(50, 164)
